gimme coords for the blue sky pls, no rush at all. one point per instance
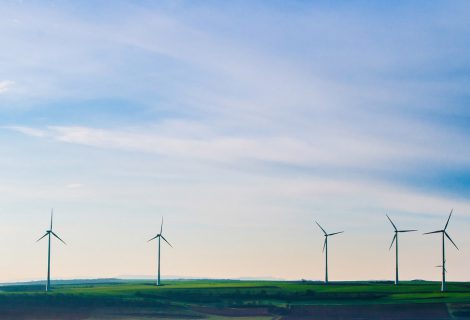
(239, 122)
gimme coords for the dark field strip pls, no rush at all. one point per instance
(405, 311)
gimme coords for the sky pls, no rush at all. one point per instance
(240, 123)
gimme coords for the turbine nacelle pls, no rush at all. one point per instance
(397, 231)
(445, 270)
(160, 235)
(49, 232)
(444, 232)
(157, 236)
(325, 233)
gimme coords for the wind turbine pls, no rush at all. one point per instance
(395, 239)
(159, 236)
(444, 235)
(325, 248)
(48, 234)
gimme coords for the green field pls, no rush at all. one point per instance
(212, 299)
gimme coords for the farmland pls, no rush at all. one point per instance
(219, 299)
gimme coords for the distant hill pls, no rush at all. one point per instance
(66, 282)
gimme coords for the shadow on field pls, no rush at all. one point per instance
(386, 312)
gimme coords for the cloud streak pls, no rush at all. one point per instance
(332, 150)
(5, 86)
(410, 163)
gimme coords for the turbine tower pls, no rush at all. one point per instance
(444, 235)
(395, 239)
(325, 248)
(48, 234)
(159, 236)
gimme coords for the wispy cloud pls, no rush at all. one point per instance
(5, 85)
(27, 131)
(74, 185)
(347, 151)
(334, 150)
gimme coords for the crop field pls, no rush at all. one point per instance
(224, 299)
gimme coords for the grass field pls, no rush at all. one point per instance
(210, 299)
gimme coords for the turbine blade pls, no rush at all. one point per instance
(161, 227)
(324, 244)
(448, 219)
(321, 228)
(167, 241)
(393, 240)
(394, 227)
(407, 230)
(154, 238)
(440, 266)
(52, 215)
(438, 231)
(332, 234)
(41, 237)
(448, 237)
(58, 238)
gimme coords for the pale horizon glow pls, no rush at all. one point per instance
(240, 123)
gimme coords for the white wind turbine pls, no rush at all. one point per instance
(444, 235)
(395, 239)
(325, 248)
(48, 234)
(159, 236)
